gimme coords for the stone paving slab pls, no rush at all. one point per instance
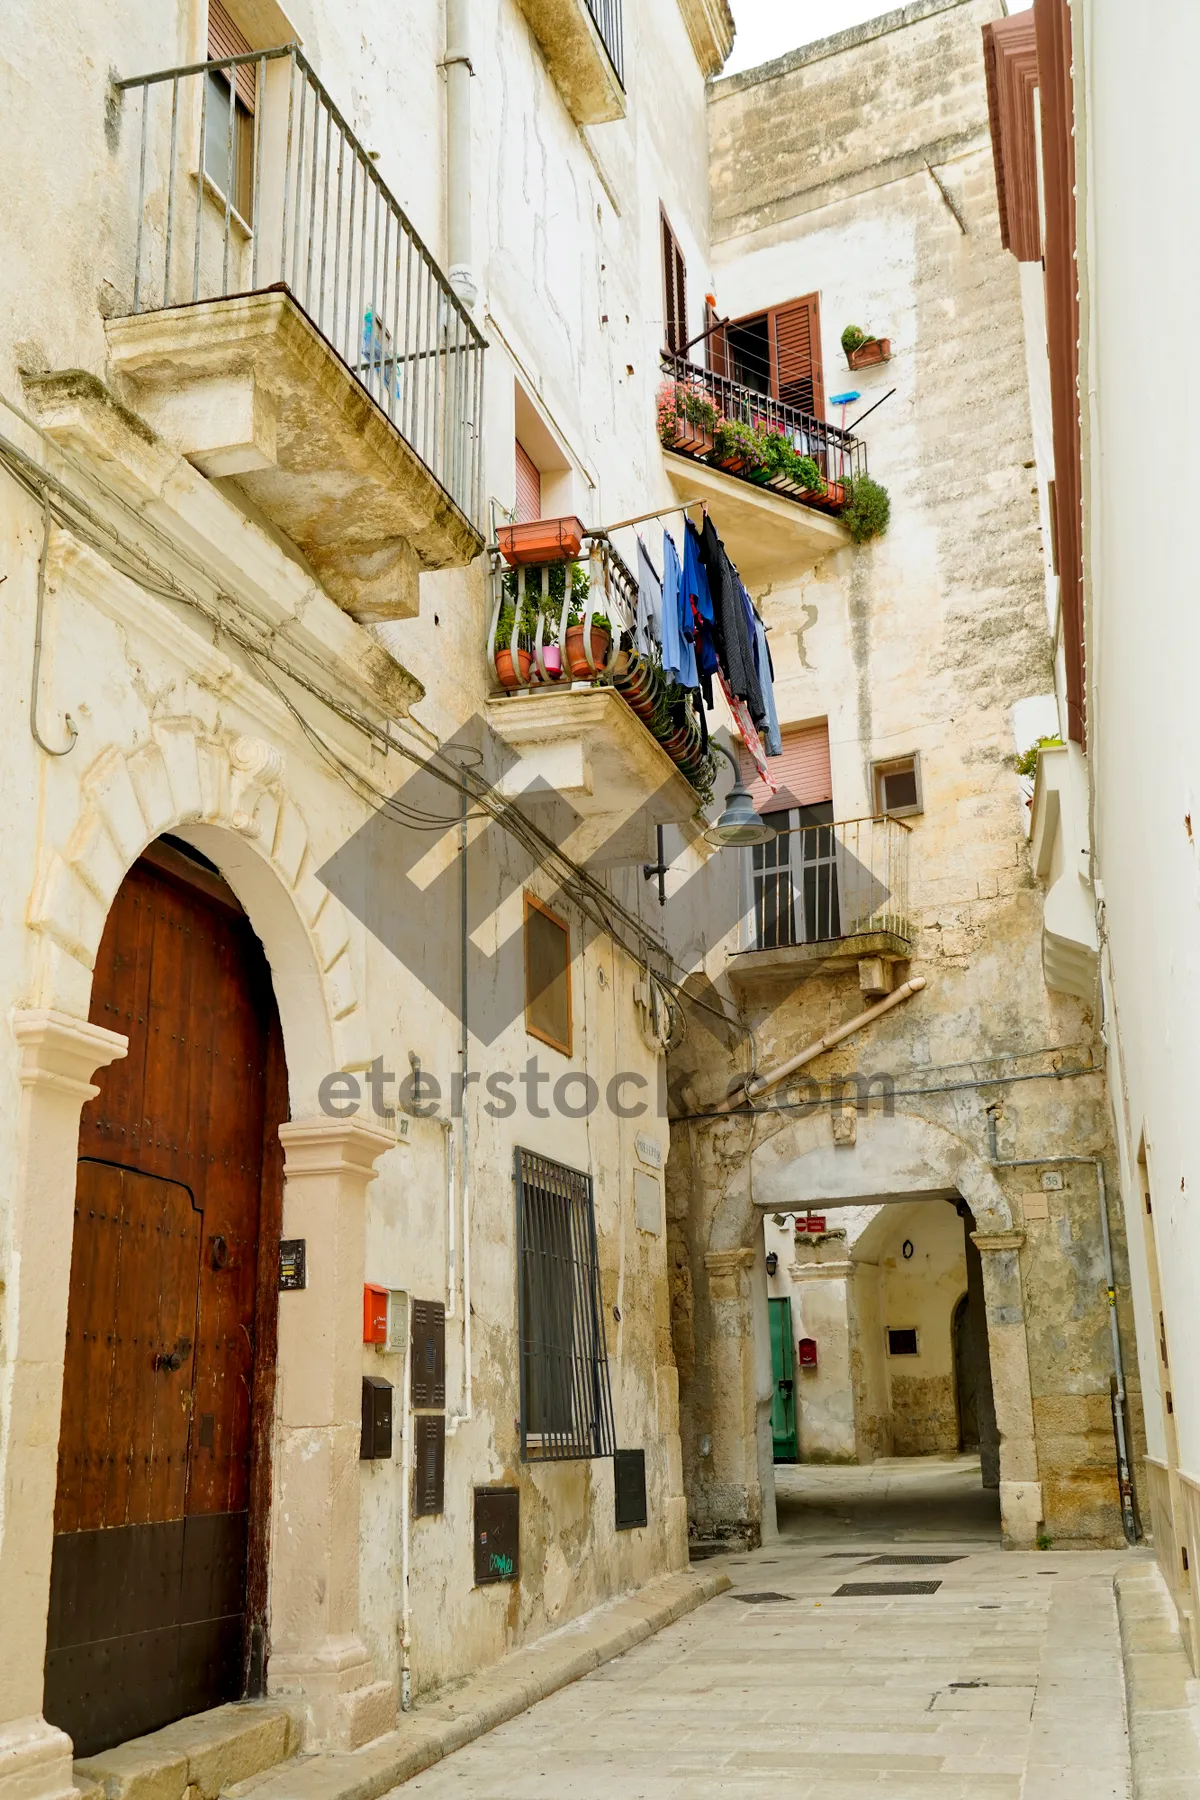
(840, 1699)
(490, 1699)
(1163, 1696)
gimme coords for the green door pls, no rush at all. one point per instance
(783, 1399)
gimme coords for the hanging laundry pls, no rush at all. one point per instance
(678, 656)
(765, 670)
(732, 631)
(698, 603)
(647, 627)
(750, 737)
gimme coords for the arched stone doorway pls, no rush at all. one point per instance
(158, 1591)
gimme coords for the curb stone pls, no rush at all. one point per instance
(486, 1700)
(1162, 1696)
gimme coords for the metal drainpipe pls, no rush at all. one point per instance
(459, 75)
(464, 1185)
(1124, 1475)
(405, 1515)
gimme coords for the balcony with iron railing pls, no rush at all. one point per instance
(592, 721)
(584, 47)
(782, 476)
(287, 329)
(820, 897)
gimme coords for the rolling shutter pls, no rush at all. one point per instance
(529, 487)
(224, 39)
(801, 774)
(794, 334)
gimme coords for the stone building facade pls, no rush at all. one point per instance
(860, 168)
(246, 609)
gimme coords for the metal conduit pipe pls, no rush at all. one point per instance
(459, 74)
(1124, 1473)
(760, 1083)
(462, 1417)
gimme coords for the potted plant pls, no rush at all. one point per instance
(867, 508)
(687, 417)
(862, 350)
(512, 660)
(601, 632)
(780, 457)
(541, 541)
(737, 446)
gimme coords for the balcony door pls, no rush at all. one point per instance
(795, 879)
(776, 353)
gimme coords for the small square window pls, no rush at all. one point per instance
(902, 1341)
(898, 786)
(547, 976)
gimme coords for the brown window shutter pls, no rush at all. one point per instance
(1010, 64)
(224, 39)
(794, 335)
(801, 775)
(675, 330)
(529, 487)
(718, 345)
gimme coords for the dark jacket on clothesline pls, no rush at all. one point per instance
(734, 646)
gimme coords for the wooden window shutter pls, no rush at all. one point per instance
(1011, 66)
(801, 775)
(547, 976)
(529, 487)
(718, 344)
(794, 337)
(675, 329)
(224, 39)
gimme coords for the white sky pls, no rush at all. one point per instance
(769, 28)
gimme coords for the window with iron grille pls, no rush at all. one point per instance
(566, 1400)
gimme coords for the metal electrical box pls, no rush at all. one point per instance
(429, 1464)
(376, 1418)
(629, 1479)
(497, 1535)
(375, 1314)
(428, 1354)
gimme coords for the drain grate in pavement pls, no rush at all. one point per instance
(850, 1588)
(761, 1599)
(912, 1561)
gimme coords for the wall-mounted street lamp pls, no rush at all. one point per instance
(738, 827)
(772, 1261)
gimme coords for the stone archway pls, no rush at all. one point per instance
(736, 1180)
(226, 796)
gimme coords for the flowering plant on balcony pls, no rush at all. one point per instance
(779, 456)
(687, 416)
(738, 447)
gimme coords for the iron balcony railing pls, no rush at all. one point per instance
(814, 884)
(606, 16)
(249, 178)
(838, 454)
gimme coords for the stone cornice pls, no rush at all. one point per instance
(711, 29)
(997, 1240)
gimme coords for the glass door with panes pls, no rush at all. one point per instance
(795, 879)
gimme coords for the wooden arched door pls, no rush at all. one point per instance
(158, 1580)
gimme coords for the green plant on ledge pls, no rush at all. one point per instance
(733, 439)
(867, 509)
(1027, 762)
(779, 456)
(853, 338)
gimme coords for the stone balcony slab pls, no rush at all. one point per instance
(250, 392)
(578, 62)
(771, 539)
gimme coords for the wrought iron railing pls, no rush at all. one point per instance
(838, 454)
(814, 884)
(573, 624)
(606, 15)
(250, 178)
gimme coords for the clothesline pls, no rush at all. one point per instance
(664, 512)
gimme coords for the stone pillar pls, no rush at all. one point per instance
(1020, 1488)
(59, 1054)
(316, 1652)
(735, 1497)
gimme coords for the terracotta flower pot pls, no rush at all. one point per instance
(733, 465)
(577, 662)
(692, 440)
(541, 541)
(506, 675)
(875, 350)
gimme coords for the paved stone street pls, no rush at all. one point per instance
(1005, 1682)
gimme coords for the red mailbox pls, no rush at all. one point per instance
(375, 1314)
(806, 1353)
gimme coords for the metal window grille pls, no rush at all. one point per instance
(566, 1400)
(233, 201)
(606, 15)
